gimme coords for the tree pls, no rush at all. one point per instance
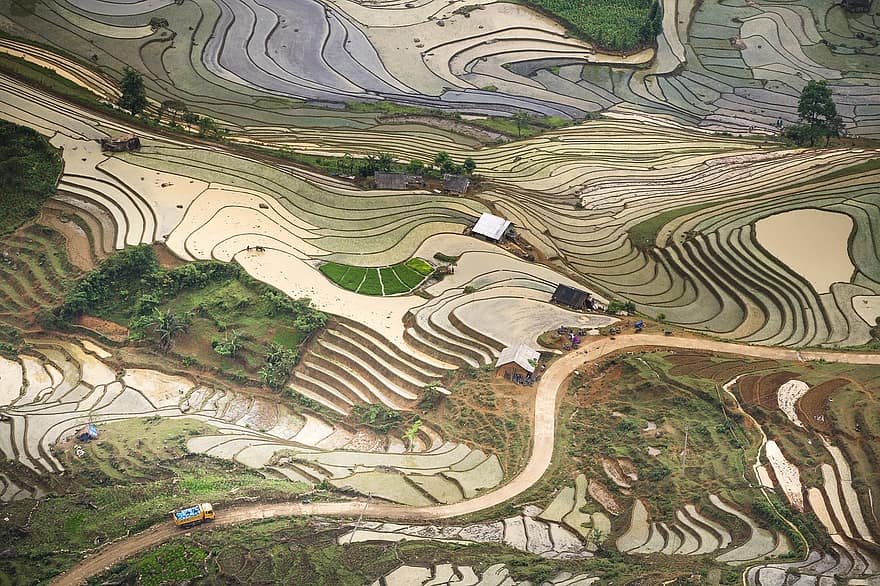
(410, 434)
(279, 362)
(415, 167)
(134, 96)
(817, 112)
(166, 326)
(174, 108)
(521, 119)
(444, 162)
(230, 346)
(469, 166)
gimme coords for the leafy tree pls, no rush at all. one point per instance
(134, 96)
(174, 108)
(280, 361)
(521, 119)
(230, 346)
(444, 162)
(817, 114)
(415, 167)
(410, 434)
(469, 166)
(165, 325)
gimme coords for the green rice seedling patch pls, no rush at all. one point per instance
(408, 277)
(392, 280)
(390, 283)
(419, 265)
(371, 284)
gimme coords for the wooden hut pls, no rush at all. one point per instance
(572, 297)
(116, 144)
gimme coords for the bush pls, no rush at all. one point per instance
(376, 416)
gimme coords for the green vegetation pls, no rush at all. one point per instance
(619, 25)
(29, 170)
(394, 280)
(211, 301)
(134, 96)
(302, 551)
(47, 79)
(376, 416)
(129, 479)
(279, 364)
(817, 115)
(644, 234)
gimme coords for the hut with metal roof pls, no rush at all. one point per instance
(572, 297)
(519, 360)
(491, 227)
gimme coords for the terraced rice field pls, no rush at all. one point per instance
(59, 386)
(724, 67)
(34, 273)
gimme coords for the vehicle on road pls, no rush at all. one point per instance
(193, 515)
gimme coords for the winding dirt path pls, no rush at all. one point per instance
(547, 393)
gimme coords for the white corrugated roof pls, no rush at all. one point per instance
(491, 226)
(522, 354)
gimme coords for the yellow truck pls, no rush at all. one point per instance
(193, 515)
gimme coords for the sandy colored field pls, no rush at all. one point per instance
(813, 243)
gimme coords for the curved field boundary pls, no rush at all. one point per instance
(547, 394)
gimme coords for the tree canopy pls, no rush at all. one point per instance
(817, 114)
(134, 96)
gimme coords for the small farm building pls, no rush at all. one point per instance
(572, 297)
(491, 227)
(87, 433)
(396, 181)
(128, 142)
(857, 5)
(518, 360)
(456, 183)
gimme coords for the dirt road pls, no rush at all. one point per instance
(548, 391)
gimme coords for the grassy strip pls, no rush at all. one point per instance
(48, 80)
(29, 171)
(400, 278)
(644, 234)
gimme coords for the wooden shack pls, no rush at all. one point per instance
(117, 144)
(572, 297)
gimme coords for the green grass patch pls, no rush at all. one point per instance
(644, 234)
(46, 79)
(29, 170)
(396, 279)
(172, 562)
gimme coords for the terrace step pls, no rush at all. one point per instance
(414, 337)
(136, 220)
(372, 378)
(96, 221)
(388, 371)
(433, 335)
(119, 221)
(418, 365)
(345, 376)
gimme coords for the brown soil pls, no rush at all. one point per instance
(762, 389)
(166, 258)
(600, 493)
(77, 245)
(812, 407)
(108, 329)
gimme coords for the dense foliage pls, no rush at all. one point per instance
(817, 114)
(131, 288)
(619, 25)
(29, 168)
(134, 96)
